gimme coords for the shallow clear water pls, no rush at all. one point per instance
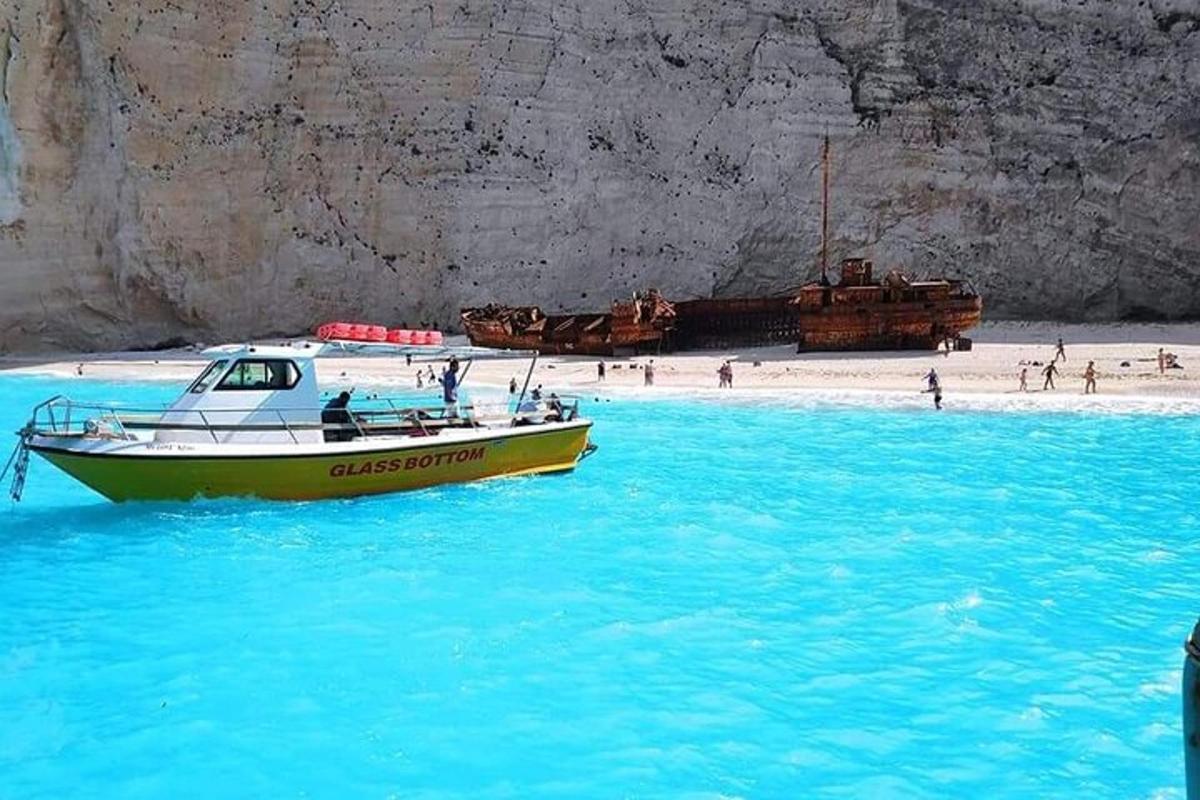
(724, 601)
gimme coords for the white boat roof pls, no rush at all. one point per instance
(304, 350)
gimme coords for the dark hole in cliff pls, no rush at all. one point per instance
(1143, 314)
(173, 343)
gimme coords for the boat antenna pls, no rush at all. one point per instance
(825, 211)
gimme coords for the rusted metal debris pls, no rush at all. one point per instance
(637, 324)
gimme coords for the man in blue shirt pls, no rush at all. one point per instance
(449, 381)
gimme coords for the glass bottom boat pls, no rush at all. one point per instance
(252, 424)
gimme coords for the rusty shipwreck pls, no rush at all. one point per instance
(859, 312)
(636, 325)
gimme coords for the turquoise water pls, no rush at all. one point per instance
(724, 602)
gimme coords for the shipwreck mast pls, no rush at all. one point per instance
(825, 212)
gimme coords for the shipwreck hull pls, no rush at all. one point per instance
(712, 324)
(631, 326)
(485, 334)
(858, 313)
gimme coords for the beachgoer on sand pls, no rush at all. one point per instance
(1049, 371)
(601, 371)
(1060, 352)
(935, 388)
(1162, 361)
(1089, 378)
(1024, 379)
(724, 376)
(648, 374)
(512, 385)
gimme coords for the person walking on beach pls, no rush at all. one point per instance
(648, 374)
(512, 385)
(728, 374)
(723, 375)
(1050, 371)
(600, 371)
(1024, 379)
(1162, 361)
(1089, 378)
(935, 388)
(420, 379)
(1060, 352)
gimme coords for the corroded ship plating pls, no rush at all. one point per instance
(639, 324)
(857, 313)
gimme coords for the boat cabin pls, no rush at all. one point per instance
(270, 387)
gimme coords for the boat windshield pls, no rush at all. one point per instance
(208, 376)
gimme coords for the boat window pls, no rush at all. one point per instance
(209, 375)
(252, 374)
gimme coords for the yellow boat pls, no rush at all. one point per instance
(252, 424)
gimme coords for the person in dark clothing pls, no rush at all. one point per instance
(555, 407)
(1050, 371)
(336, 413)
(600, 370)
(935, 388)
(449, 381)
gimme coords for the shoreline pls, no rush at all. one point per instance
(984, 378)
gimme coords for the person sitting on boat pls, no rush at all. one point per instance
(449, 381)
(336, 413)
(555, 407)
(535, 398)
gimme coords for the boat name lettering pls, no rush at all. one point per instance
(412, 462)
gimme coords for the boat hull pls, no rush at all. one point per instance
(122, 473)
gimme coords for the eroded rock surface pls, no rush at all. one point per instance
(223, 169)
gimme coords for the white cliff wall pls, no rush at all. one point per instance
(218, 169)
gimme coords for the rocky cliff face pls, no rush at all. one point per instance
(222, 169)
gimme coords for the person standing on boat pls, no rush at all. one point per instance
(1049, 371)
(1089, 378)
(449, 381)
(935, 388)
(600, 371)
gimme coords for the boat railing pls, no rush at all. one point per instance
(61, 416)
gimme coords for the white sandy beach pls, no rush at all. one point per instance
(1125, 356)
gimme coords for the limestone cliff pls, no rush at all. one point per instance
(225, 168)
